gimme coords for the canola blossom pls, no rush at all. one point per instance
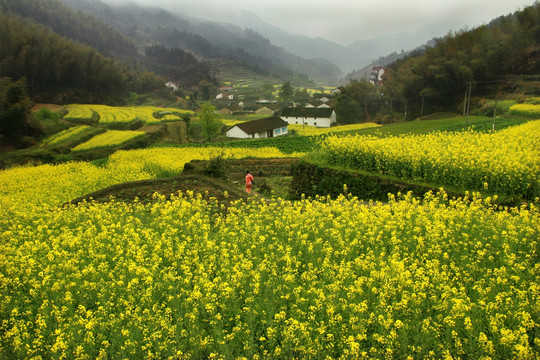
(66, 135)
(504, 163)
(308, 130)
(118, 115)
(527, 110)
(108, 139)
(185, 279)
(35, 188)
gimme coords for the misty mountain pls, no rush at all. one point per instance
(206, 39)
(354, 56)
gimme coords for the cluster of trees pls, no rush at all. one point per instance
(177, 64)
(489, 54)
(61, 70)
(509, 45)
(74, 25)
(15, 122)
(285, 94)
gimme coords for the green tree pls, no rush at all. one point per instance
(14, 109)
(266, 91)
(286, 92)
(301, 96)
(357, 102)
(210, 121)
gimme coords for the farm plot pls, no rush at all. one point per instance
(66, 135)
(310, 279)
(27, 190)
(124, 115)
(307, 130)
(505, 163)
(109, 138)
(527, 110)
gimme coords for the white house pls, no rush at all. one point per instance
(171, 85)
(319, 117)
(224, 96)
(376, 76)
(263, 128)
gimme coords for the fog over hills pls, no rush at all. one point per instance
(224, 24)
(347, 33)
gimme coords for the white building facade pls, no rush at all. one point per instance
(319, 117)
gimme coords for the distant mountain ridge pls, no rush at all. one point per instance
(146, 25)
(352, 57)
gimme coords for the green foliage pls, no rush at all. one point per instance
(175, 63)
(210, 121)
(285, 144)
(357, 102)
(216, 168)
(14, 110)
(71, 24)
(483, 55)
(312, 180)
(301, 95)
(266, 91)
(45, 114)
(286, 92)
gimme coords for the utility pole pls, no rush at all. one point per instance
(405, 109)
(468, 103)
(422, 108)
(465, 103)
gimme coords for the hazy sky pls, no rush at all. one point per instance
(344, 21)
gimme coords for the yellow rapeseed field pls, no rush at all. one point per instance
(187, 278)
(527, 110)
(108, 139)
(116, 115)
(66, 135)
(24, 189)
(181, 278)
(504, 163)
(312, 130)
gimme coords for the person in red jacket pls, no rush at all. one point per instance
(249, 182)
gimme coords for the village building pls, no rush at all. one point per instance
(335, 91)
(226, 89)
(225, 111)
(171, 85)
(263, 128)
(264, 111)
(376, 76)
(224, 96)
(319, 117)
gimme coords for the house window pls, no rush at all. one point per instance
(284, 129)
(277, 131)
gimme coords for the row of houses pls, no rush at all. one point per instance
(277, 125)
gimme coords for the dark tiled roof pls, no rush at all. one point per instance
(307, 112)
(269, 123)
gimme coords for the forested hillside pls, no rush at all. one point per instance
(147, 25)
(74, 25)
(486, 56)
(67, 56)
(489, 60)
(60, 70)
